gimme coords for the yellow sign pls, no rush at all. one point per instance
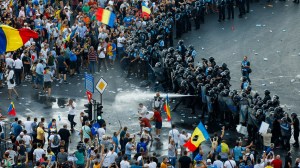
(101, 85)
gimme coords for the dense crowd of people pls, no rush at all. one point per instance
(144, 48)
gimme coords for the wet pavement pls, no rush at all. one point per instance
(268, 35)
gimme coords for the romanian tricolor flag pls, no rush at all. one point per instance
(106, 17)
(12, 39)
(199, 135)
(145, 10)
(167, 108)
(11, 109)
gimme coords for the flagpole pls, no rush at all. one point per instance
(170, 118)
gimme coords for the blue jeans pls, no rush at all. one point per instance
(172, 161)
(120, 51)
(39, 80)
(246, 74)
(92, 67)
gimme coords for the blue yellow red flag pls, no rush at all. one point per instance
(199, 135)
(11, 109)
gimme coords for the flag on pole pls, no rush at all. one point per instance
(167, 108)
(145, 10)
(12, 39)
(199, 135)
(11, 109)
(106, 17)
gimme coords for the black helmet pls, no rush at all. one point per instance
(199, 77)
(267, 92)
(271, 109)
(180, 42)
(264, 106)
(211, 59)
(224, 66)
(171, 49)
(189, 59)
(220, 86)
(191, 47)
(244, 95)
(276, 97)
(183, 83)
(158, 64)
(294, 114)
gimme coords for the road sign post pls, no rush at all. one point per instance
(89, 82)
(101, 85)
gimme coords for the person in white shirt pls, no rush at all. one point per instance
(142, 110)
(124, 163)
(120, 45)
(9, 61)
(27, 126)
(101, 55)
(10, 82)
(72, 112)
(259, 164)
(22, 12)
(101, 131)
(55, 142)
(174, 134)
(108, 156)
(27, 141)
(230, 163)
(183, 138)
(38, 152)
(18, 64)
(152, 164)
(112, 155)
(218, 163)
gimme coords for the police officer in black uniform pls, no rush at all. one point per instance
(295, 123)
(230, 9)
(221, 8)
(178, 23)
(196, 12)
(241, 5)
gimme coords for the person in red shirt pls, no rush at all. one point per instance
(158, 122)
(144, 122)
(277, 162)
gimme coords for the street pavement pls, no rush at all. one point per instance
(268, 35)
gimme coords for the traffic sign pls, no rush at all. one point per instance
(101, 85)
(89, 82)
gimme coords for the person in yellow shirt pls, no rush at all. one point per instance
(109, 52)
(269, 165)
(164, 163)
(40, 137)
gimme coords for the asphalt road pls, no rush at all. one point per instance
(268, 35)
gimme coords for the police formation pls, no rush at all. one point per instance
(219, 104)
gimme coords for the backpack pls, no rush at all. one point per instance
(73, 57)
(95, 128)
(248, 160)
(55, 140)
(242, 165)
